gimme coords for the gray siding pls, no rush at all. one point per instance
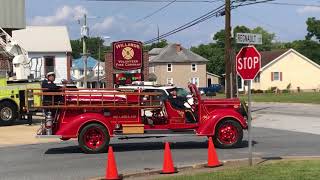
(12, 14)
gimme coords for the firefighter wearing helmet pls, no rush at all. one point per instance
(48, 85)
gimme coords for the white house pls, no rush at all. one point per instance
(48, 48)
(98, 69)
(286, 69)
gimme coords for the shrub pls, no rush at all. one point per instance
(289, 86)
(273, 89)
(285, 91)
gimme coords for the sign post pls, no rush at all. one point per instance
(248, 65)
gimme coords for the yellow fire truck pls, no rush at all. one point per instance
(13, 89)
(13, 100)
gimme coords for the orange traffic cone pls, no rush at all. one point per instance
(168, 167)
(213, 160)
(111, 171)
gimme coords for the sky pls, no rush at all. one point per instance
(120, 20)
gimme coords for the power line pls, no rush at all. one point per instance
(158, 10)
(189, 24)
(154, 1)
(214, 13)
(293, 4)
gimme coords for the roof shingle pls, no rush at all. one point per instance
(169, 54)
(268, 56)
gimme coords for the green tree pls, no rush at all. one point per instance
(313, 28)
(92, 47)
(267, 39)
(163, 43)
(214, 52)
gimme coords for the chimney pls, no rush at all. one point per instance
(178, 48)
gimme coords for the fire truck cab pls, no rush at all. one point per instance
(96, 115)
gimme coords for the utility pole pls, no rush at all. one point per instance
(85, 34)
(158, 34)
(99, 65)
(227, 48)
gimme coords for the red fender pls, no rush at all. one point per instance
(208, 126)
(71, 128)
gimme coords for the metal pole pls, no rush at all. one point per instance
(158, 34)
(227, 46)
(231, 90)
(99, 66)
(249, 123)
(85, 58)
(237, 85)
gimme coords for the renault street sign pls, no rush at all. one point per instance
(248, 38)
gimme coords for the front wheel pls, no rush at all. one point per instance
(8, 113)
(228, 134)
(94, 138)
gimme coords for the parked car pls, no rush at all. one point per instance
(210, 90)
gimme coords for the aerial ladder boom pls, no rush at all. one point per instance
(20, 62)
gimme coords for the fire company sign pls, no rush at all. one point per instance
(127, 55)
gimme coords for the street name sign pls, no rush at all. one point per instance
(248, 38)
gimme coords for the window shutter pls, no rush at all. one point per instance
(271, 76)
(280, 76)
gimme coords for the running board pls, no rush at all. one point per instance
(155, 134)
(48, 136)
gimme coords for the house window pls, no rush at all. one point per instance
(49, 64)
(276, 76)
(169, 67)
(193, 67)
(81, 72)
(169, 80)
(257, 79)
(195, 81)
(151, 69)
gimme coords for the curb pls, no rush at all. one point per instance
(258, 160)
(287, 103)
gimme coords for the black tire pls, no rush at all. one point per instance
(8, 113)
(236, 127)
(83, 140)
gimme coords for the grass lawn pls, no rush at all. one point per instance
(304, 97)
(285, 170)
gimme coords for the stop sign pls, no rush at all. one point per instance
(248, 62)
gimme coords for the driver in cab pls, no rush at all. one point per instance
(181, 103)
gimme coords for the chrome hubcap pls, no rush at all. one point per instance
(6, 114)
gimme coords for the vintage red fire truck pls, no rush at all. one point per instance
(96, 115)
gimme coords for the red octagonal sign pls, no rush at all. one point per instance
(248, 62)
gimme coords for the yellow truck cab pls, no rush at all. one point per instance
(13, 100)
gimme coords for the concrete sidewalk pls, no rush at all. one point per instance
(21, 134)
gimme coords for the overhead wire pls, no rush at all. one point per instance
(214, 13)
(293, 4)
(152, 1)
(189, 24)
(156, 11)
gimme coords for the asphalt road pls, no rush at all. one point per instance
(65, 160)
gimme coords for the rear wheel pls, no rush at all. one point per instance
(228, 134)
(94, 138)
(8, 113)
